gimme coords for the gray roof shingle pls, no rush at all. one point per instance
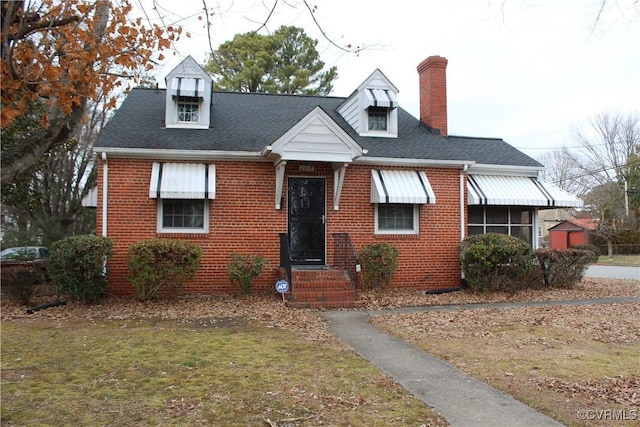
(251, 121)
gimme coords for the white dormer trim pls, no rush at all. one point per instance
(315, 137)
(189, 84)
(375, 92)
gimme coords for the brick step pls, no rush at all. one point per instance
(320, 289)
(324, 295)
(306, 275)
(321, 285)
(327, 305)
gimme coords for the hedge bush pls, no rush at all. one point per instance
(563, 268)
(243, 269)
(162, 265)
(379, 261)
(18, 282)
(495, 261)
(77, 267)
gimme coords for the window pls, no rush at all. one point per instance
(515, 221)
(377, 118)
(395, 218)
(188, 109)
(183, 215)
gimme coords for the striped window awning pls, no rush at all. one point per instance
(401, 186)
(381, 98)
(183, 86)
(182, 181)
(517, 191)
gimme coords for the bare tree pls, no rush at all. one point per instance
(603, 154)
(562, 170)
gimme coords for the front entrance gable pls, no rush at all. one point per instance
(316, 138)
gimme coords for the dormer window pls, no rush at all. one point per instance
(188, 109)
(377, 119)
(372, 110)
(188, 100)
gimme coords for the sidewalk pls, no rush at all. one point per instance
(460, 398)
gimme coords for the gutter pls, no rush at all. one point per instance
(170, 154)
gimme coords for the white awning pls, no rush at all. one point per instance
(381, 98)
(183, 86)
(182, 181)
(91, 199)
(401, 186)
(517, 191)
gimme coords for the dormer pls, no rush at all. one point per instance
(372, 110)
(188, 103)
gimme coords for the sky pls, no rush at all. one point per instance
(529, 71)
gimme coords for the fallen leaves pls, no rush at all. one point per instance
(622, 390)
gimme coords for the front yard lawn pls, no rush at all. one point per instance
(205, 371)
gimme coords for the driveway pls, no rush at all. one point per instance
(613, 272)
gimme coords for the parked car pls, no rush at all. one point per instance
(37, 256)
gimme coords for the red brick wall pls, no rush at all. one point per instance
(243, 219)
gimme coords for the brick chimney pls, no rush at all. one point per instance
(433, 93)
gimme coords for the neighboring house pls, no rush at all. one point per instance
(572, 232)
(266, 173)
(549, 218)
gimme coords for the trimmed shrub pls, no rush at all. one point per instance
(18, 282)
(591, 248)
(495, 261)
(563, 268)
(243, 269)
(379, 261)
(162, 265)
(77, 267)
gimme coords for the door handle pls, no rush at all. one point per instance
(323, 218)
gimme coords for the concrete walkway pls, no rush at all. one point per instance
(460, 398)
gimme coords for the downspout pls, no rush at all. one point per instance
(105, 184)
(462, 206)
(464, 171)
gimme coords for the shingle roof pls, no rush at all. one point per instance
(251, 121)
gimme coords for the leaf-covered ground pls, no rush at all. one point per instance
(516, 349)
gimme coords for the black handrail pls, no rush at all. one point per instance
(285, 258)
(346, 257)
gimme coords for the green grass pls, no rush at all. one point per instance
(164, 372)
(623, 260)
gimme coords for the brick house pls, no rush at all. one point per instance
(307, 181)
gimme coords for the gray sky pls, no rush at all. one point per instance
(527, 71)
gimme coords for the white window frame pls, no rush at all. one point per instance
(162, 229)
(197, 102)
(416, 221)
(509, 224)
(380, 110)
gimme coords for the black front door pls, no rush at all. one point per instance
(306, 202)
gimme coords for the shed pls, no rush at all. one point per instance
(572, 232)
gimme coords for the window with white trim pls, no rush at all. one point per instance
(188, 109)
(396, 218)
(183, 216)
(377, 119)
(515, 221)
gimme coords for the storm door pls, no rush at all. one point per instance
(306, 202)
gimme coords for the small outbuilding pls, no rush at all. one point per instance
(572, 232)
